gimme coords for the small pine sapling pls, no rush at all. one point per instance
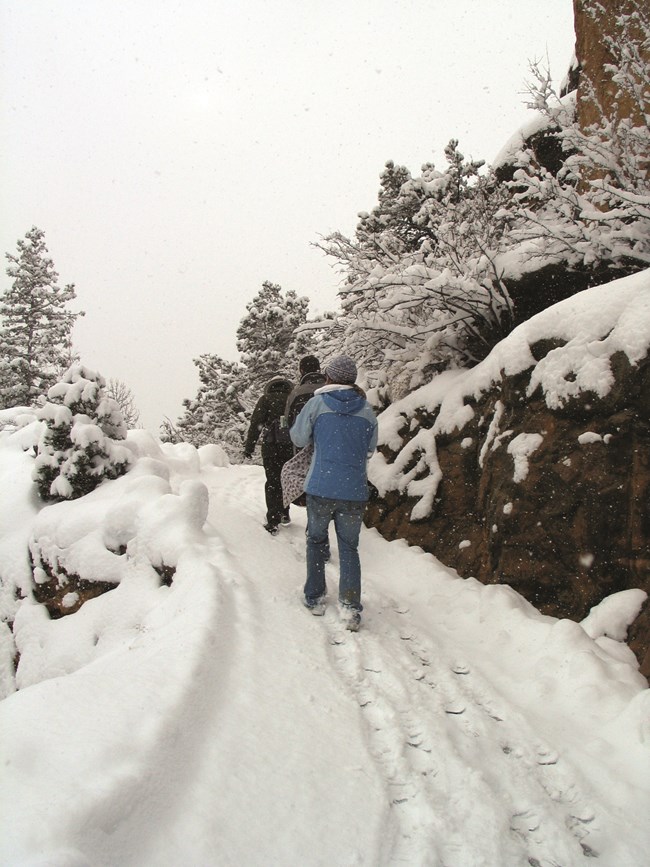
(81, 444)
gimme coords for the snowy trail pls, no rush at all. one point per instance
(249, 758)
(440, 739)
(454, 730)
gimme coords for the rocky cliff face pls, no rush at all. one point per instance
(604, 29)
(533, 470)
(609, 75)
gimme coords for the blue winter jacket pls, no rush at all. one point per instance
(343, 429)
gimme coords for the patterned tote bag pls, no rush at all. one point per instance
(293, 476)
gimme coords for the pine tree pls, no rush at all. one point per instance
(81, 444)
(391, 227)
(35, 335)
(266, 337)
(271, 338)
(219, 412)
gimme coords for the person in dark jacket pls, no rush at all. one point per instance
(342, 427)
(276, 447)
(311, 378)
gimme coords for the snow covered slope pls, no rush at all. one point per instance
(216, 722)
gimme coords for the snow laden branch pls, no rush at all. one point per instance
(596, 208)
(422, 285)
(428, 274)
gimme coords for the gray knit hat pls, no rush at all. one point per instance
(342, 369)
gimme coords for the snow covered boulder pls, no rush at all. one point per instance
(533, 468)
(213, 456)
(80, 549)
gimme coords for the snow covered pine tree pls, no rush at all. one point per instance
(35, 335)
(218, 413)
(266, 338)
(81, 443)
(268, 341)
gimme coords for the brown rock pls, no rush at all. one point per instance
(599, 41)
(576, 528)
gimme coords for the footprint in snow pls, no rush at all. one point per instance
(460, 668)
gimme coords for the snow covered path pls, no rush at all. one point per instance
(224, 725)
(416, 707)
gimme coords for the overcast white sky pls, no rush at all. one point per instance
(178, 154)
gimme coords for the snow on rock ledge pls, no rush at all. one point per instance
(574, 382)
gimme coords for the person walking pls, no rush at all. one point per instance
(340, 424)
(276, 447)
(311, 378)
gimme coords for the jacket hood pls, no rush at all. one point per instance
(315, 377)
(344, 400)
(278, 383)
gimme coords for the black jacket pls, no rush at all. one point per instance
(266, 415)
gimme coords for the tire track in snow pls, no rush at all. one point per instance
(444, 742)
(198, 743)
(182, 743)
(156, 762)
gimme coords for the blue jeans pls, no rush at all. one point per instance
(348, 517)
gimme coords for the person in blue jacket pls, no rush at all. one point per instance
(340, 424)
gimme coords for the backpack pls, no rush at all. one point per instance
(276, 434)
(317, 380)
(276, 393)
